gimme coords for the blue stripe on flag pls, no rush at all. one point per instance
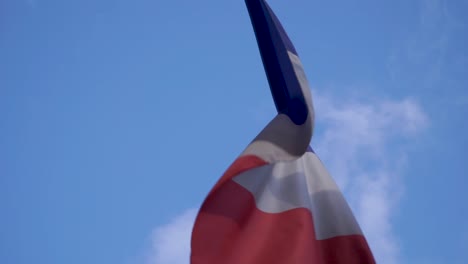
(274, 45)
(309, 149)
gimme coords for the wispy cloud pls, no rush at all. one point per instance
(359, 146)
(429, 56)
(171, 242)
(362, 146)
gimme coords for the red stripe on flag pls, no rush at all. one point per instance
(231, 230)
(240, 165)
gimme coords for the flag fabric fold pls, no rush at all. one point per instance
(277, 203)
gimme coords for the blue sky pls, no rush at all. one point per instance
(117, 117)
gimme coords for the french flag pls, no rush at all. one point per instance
(277, 204)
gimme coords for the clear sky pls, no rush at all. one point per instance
(117, 117)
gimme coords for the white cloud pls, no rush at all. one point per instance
(171, 242)
(359, 145)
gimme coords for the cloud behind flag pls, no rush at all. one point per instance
(277, 203)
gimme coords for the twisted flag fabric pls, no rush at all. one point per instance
(277, 203)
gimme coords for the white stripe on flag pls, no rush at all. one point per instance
(302, 183)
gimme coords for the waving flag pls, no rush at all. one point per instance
(277, 204)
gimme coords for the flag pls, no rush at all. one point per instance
(276, 203)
